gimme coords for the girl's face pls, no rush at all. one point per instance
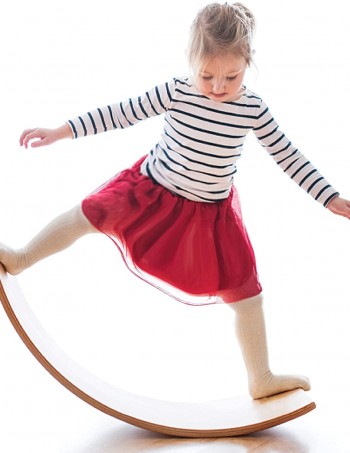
(221, 77)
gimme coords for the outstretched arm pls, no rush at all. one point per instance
(42, 137)
(114, 116)
(290, 159)
(340, 206)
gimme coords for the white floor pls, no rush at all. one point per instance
(38, 415)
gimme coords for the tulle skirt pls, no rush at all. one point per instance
(198, 253)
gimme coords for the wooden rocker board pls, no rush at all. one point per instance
(221, 418)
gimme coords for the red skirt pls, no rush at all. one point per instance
(197, 252)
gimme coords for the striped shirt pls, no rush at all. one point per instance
(202, 140)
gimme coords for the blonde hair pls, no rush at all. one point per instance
(221, 29)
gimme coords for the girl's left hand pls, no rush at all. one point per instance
(340, 206)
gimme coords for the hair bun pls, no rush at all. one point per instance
(245, 14)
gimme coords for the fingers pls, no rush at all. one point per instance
(38, 143)
(22, 139)
(28, 135)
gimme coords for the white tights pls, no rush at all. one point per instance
(56, 236)
(250, 323)
(251, 335)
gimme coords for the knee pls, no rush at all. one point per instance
(82, 220)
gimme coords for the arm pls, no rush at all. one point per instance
(124, 114)
(42, 137)
(290, 159)
(114, 116)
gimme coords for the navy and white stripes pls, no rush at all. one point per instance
(201, 141)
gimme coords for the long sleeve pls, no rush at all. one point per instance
(290, 159)
(123, 114)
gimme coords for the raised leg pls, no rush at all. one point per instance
(56, 236)
(251, 335)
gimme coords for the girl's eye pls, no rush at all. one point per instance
(229, 79)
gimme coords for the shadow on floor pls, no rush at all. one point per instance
(128, 439)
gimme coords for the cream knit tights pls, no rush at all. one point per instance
(250, 323)
(56, 236)
(251, 334)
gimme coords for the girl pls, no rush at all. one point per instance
(175, 215)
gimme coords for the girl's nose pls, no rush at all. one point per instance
(218, 86)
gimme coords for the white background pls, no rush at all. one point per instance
(60, 59)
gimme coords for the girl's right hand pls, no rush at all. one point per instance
(43, 137)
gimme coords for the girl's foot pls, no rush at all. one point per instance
(271, 384)
(251, 334)
(12, 260)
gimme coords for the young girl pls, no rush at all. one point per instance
(175, 215)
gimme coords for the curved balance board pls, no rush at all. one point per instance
(222, 418)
